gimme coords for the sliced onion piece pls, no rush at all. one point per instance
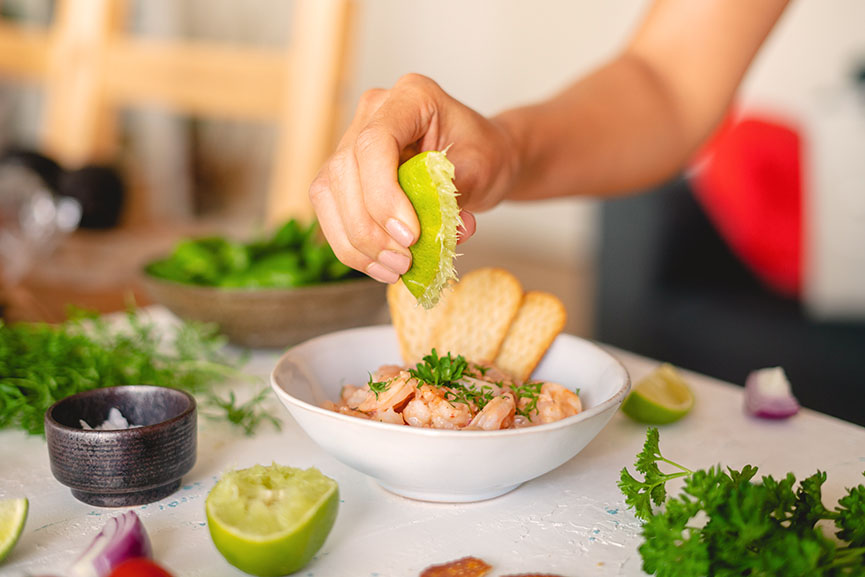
(123, 537)
(768, 394)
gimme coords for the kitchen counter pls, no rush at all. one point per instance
(571, 521)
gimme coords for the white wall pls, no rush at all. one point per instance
(493, 54)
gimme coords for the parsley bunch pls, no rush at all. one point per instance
(41, 364)
(724, 524)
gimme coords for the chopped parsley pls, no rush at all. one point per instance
(529, 390)
(377, 387)
(439, 371)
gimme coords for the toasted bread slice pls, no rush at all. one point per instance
(477, 314)
(540, 318)
(414, 325)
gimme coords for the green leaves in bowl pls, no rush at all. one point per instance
(294, 255)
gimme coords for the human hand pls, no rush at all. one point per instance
(363, 212)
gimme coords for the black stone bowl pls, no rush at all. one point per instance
(129, 466)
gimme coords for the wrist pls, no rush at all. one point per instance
(515, 134)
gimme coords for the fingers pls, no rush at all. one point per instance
(403, 118)
(468, 227)
(363, 212)
(357, 240)
(349, 239)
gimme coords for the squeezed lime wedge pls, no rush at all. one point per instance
(661, 397)
(13, 517)
(271, 521)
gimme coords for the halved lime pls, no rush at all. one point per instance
(271, 521)
(661, 397)
(427, 179)
(13, 516)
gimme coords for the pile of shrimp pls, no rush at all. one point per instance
(401, 399)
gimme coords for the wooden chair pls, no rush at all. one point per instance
(90, 68)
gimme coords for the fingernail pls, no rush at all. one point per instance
(395, 261)
(399, 232)
(381, 274)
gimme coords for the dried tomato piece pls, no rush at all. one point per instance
(465, 567)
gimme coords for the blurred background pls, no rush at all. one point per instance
(177, 117)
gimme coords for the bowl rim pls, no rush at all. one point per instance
(55, 424)
(615, 400)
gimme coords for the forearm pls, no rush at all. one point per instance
(614, 131)
(637, 120)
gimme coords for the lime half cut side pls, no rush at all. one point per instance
(271, 520)
(427, 180)
(13, 517)
(661, 397)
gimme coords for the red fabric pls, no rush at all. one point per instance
(749, 183)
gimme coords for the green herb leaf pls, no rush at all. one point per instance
(439, 371)
(377, 387)
(724, 524)
(41, 364)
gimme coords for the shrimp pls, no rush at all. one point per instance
(343, 410)
(394, 396)
(429, 408)
(353, 396)
(388, 416)
(555, 403)
(497, 414)
(386, 372)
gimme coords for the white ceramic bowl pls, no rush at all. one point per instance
(440, 465)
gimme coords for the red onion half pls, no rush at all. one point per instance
(121, 538)
(768, 394)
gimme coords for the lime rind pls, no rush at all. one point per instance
(13, 517)
(268, 502)
(435, 175)
(661, 397)
(442, 174)
(271, 521)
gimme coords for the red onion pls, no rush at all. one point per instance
(121, 538)
(768, 394)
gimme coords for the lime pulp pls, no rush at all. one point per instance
(661, 397)
(271, 520)
(13, 516)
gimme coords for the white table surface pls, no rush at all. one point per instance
(571, 521)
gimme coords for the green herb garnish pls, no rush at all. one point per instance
(722, 523)
(248, 415)
(439, 371)
(41, 364)
(469, 394)
(446, 372)
(530, 390)
(377, 387)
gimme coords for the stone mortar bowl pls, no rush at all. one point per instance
(118, 468)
